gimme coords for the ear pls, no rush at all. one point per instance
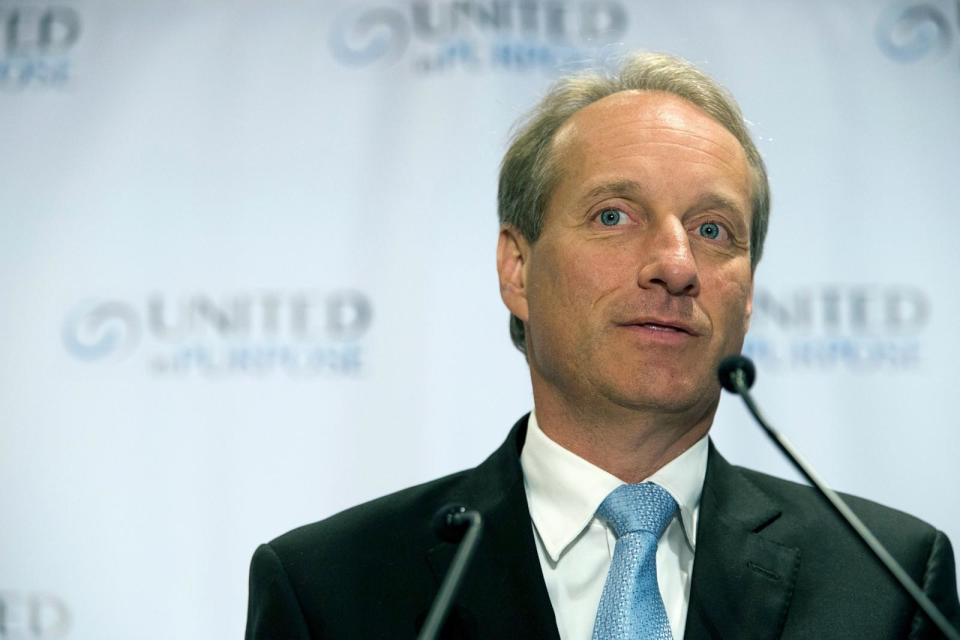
(513, 253)
(748, 309)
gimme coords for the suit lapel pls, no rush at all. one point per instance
(742, 581)
(503, 595)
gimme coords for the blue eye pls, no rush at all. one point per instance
(710, 230)
(611, 217)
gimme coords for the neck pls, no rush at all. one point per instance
(630, 444)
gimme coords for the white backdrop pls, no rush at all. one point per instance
(247, 267)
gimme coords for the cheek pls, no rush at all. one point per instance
(568, 283)
(578, 278)
(732, 302)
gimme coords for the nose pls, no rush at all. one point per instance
(668, 260)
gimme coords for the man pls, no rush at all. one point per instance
(633, 210)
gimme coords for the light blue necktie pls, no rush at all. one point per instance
(631, 606)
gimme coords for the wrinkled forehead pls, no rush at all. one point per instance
(646, 118)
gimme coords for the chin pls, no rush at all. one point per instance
(668, 395)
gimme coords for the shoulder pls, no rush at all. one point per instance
(835, 561)
(318, 573)
(400, 517)
(320, 579)
(807, 517)
(804, 497)
(405, 517)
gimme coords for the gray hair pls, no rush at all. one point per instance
(529, 171)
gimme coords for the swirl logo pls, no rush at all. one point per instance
(375, 34)
(96, 331)
(907, 33)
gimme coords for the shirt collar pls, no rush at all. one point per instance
(564, 490)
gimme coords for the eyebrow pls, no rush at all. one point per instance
(627, 187)
(718, 201)
(615, 188)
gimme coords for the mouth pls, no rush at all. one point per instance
(662, 326)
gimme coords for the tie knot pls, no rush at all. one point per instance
(638, 507)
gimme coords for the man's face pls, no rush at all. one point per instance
(640, 282)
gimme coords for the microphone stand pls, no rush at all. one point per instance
(740, 380)
(451, 520)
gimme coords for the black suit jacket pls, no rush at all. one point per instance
(771, 562)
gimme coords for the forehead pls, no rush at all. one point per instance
(643, 122)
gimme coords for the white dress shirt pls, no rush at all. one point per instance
(575, 548)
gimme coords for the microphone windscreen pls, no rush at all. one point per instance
(732, 364)
(446, 526)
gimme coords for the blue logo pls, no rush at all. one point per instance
(443, 35)
(908, 32)
(97, 331)
(852, 327)
(33, 616)
(362, 37)
(35, 45)
(299, 333)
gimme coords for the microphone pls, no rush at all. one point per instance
(739, 368)
(452, 523)
(737, 374)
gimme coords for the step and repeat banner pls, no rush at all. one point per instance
(247, 267)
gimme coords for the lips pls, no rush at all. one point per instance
(665, 325)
